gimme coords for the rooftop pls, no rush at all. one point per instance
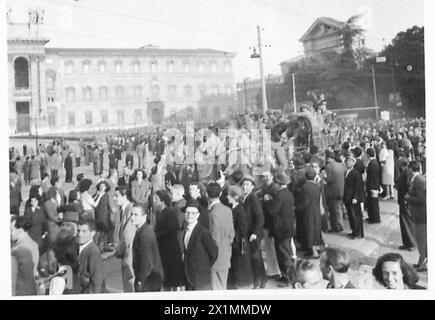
(149, 50)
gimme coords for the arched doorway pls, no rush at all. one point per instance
(156, 116)
(21, 67)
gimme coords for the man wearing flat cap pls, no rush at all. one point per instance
(353, 196)
(199, 250)
(255, 219)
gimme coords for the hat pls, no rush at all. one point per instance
(281, 177)
(70, 216)
(248, 177)
(85, 184)
(190, 203)
(103, 182)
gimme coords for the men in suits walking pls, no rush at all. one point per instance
(372, 187)
(222, 231)
(91, 267)
(147, 266)
(353, 197)
(200, 251)
(124, 250)
(334, 188)
(255, 217)
(416, 199)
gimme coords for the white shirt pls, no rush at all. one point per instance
(83, 246)
(189, 233)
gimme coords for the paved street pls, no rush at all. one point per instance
(379, 238)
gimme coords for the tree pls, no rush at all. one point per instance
(336, 74)
(406, 55)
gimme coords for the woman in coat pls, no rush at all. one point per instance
(311, 222)
(35, 166)
(386, 159)
(140, 188)
(166, 231)
(240, 273)
(103, 223)
(27, 171)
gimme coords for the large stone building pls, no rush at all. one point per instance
(81, 89)
(324, 35)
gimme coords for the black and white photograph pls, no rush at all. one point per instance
(168, 147)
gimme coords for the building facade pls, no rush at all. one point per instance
(82, 89)
(249, 89)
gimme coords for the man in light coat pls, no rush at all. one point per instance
(222, 232)
(127, 231)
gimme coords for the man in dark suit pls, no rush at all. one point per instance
(334, 188)
(200, 251)
(353, 197)
(222, 231)
(359, 164)
(281, 210)
(14, 193)
(416, 199)
(68, 167)
(170, 177)
(91, 267)
(147, 265)
(255, 217)
(113, 161)
(372, 187)
(407, 225)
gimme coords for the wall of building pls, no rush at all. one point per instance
(170, 73)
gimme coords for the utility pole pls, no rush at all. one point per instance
(374, 92)
(294, 92)
(263, 84)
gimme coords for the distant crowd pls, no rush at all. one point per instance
(213, 226)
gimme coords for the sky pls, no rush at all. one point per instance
(227, 25)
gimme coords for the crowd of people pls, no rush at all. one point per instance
(215, 226)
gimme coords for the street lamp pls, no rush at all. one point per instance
(259, 55)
